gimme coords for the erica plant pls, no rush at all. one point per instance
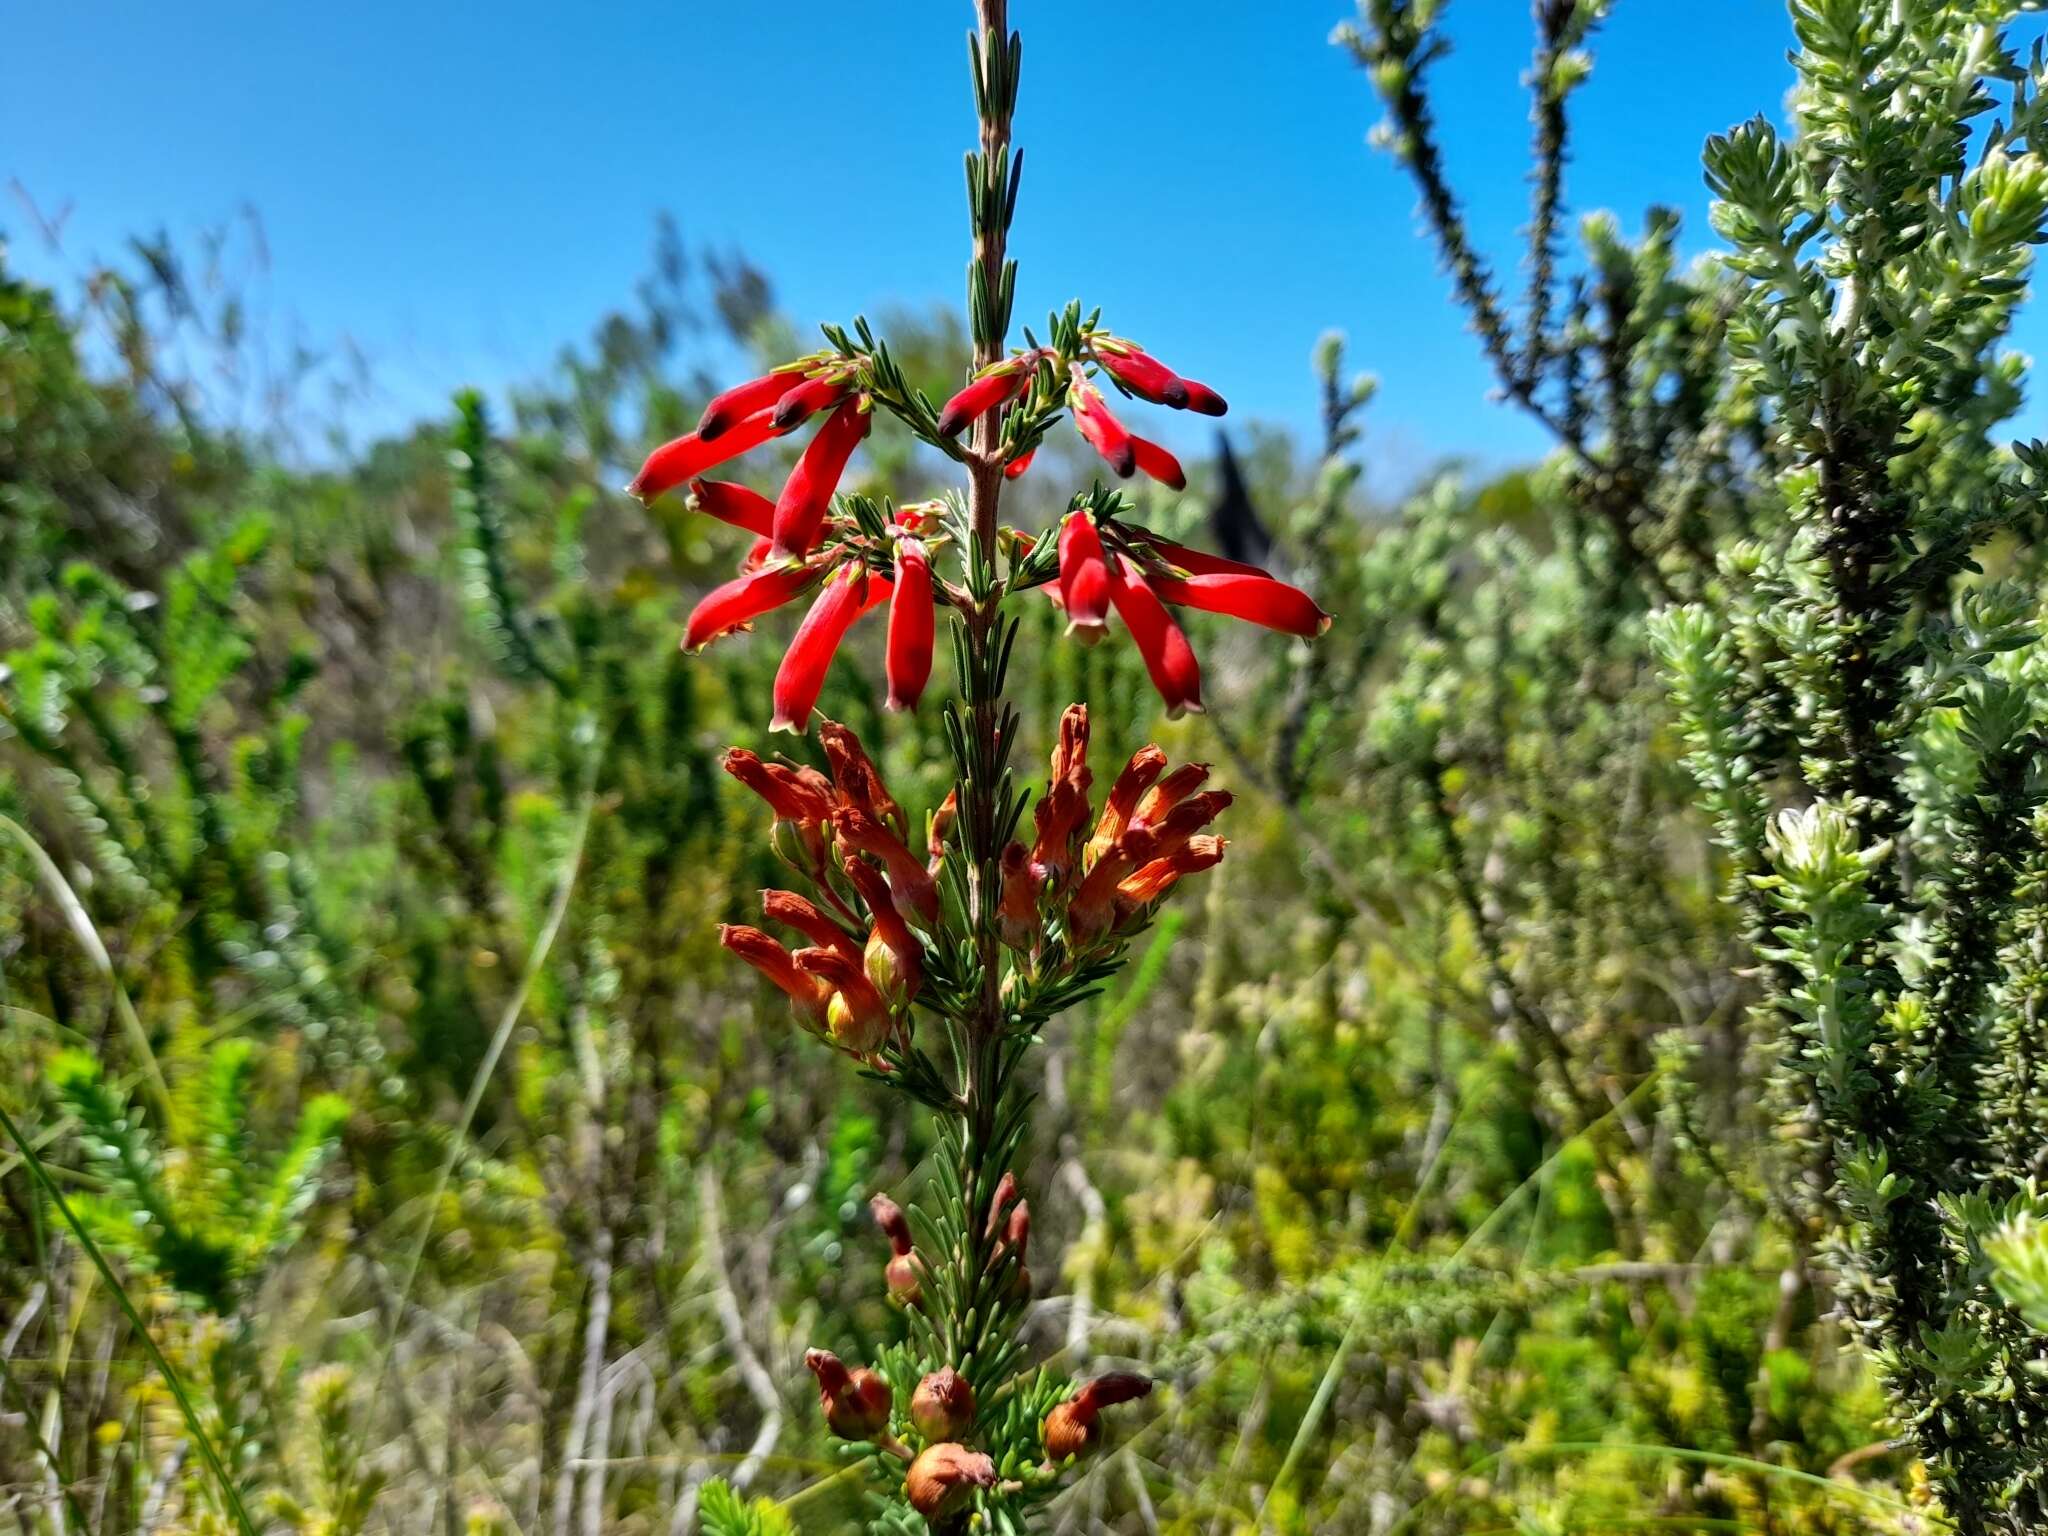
(932, 951)
(1864, 702)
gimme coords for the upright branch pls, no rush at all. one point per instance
(966, 920)
(1651, 410)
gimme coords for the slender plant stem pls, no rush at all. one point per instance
(983, 794)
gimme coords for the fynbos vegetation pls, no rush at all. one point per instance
(1602, 1087)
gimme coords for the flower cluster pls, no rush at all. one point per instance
(1086, 878)
(844, 833)
(943, 1472)
(852, 566)
(1128, 365)
(1107, 564)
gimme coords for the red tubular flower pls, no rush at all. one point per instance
(855, 776)
(995, 387)
(741, 401)
(1195, 562)
(807, 494)
(1070, 752)
(790, 795)
(1186, 819)
(1169, 792)
(893, 958)
(1084, 578)
(686, 458)
(910, 884)
(742, 600)
(857, 1017)
(734, 504)
(1141, 373)
(1019, 464)
(793, 911)
(1263, 600)
(1138, 775)
(1158, 876)
(1158, 463)
(808, 397)
(1017, 910)
(856, 1402)
(807, 994)
(1104, 433)
(1239, 591)
(1094, 903)
(1204, 400)
(848, 593)
(912, 621)
(1064, 807)
(1168, 657)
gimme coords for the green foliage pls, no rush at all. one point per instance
(1856, 643)
(214, 1219)
(726, 1513)
(1624, 988)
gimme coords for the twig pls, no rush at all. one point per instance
(759, 1384)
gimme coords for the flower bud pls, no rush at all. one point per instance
(942, 1480)
(999, 1202)
(1016, 1240)
(856, 1402)
(1074, 1428)
(1067, 1431)
(904, 1274)
(942, 1407)
(890, 1218)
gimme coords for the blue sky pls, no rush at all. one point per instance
(460, 188)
